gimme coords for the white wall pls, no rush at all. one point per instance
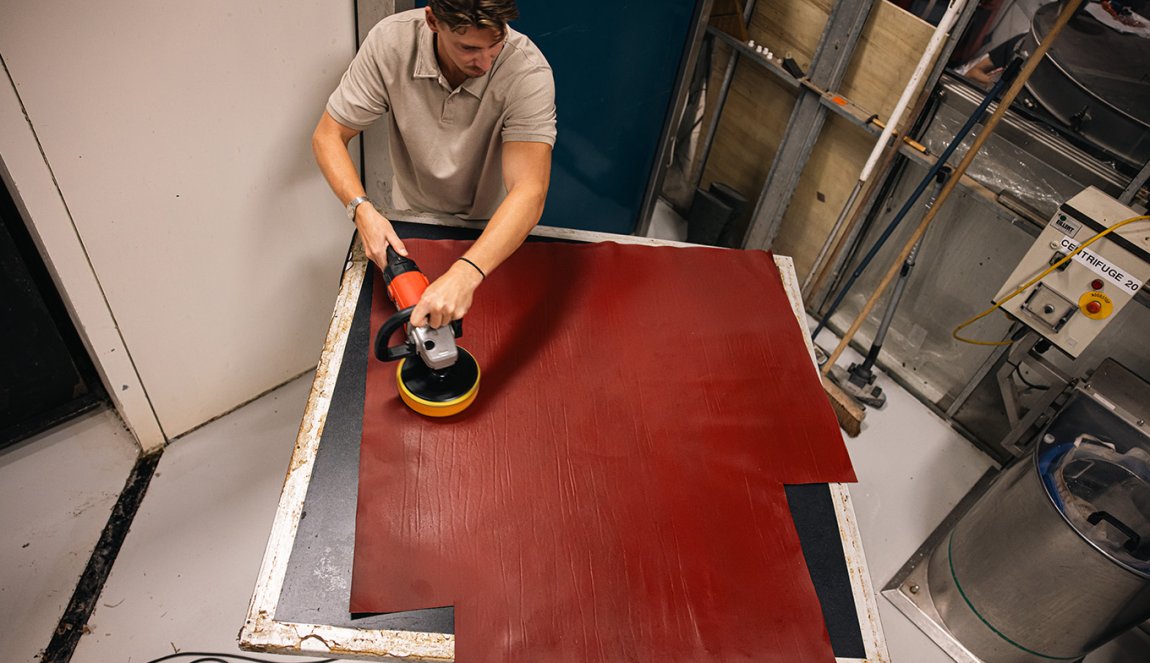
(177, 135)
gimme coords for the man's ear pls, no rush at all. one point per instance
(431, 22)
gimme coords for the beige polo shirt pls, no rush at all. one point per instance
(446, 145)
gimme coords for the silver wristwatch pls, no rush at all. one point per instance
(355, 202)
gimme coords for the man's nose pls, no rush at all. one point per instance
(485, 60)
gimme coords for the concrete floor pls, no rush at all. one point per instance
(57, 491)
(184, 577)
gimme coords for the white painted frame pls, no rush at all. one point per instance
(30, 180)
(261, 632)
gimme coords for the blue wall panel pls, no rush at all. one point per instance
(615, 66)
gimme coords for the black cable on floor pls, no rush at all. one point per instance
(83, 602)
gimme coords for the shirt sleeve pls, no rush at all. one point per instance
(531, 111)
(361, 97)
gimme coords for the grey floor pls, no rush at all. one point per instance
(185, 574)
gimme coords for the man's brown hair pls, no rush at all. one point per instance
(461, 14)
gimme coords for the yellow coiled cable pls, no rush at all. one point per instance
(1036, 279)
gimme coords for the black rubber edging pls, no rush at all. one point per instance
(83, 602)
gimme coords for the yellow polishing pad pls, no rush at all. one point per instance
(438, 394)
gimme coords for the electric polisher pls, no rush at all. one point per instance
(436, 378)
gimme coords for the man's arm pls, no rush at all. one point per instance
(526, 174)
(984, 72)
(329, 142)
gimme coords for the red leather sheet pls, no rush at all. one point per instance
(615, 493)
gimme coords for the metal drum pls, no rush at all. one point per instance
(1053, 560)
(1093, 81)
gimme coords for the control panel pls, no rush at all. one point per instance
(1073, 303)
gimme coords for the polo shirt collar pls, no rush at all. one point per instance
(427, 65)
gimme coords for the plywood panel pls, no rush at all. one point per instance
(749, 131)
(758, 109)
(892, 42)
(827, 181)
(790, 28)
(888, 51)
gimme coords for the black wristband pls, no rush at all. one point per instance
(481, 272)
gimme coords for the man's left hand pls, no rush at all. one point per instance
(448, 298)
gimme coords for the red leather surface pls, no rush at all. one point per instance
(615, 492)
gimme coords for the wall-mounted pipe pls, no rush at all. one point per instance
(1068, 10)
(933, 47)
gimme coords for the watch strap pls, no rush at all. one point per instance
(356, 202)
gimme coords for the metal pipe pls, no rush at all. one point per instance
(1137, 183)
(716, 114)
(872, 194)
(1031, 63)
(931, 174)
(899, 289)
(678, 103)
(828, 66)
(928, 56)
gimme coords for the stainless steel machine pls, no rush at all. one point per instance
(1083, 119)
(1092, 85)
(1076, 277)
(1051, 558)
(966, 259)
(1085, 267)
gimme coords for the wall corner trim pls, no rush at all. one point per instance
(28, 175)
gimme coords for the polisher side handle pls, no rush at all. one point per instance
(394, 323)
(390, 326)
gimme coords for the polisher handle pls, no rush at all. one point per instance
(407, 349)
(390, 326)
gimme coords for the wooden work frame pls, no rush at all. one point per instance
(262, 632)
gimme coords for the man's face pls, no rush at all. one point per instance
(471, 51)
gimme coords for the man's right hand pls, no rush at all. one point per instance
(329, 142)
(376, 233)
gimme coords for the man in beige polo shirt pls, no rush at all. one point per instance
(470, 106)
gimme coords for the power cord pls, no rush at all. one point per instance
(213, 657)
(1028, 383)
(1034, 280)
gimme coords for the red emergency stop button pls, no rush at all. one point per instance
(1096, 305)
(1096, 284)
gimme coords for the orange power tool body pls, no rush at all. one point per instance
(435, 377)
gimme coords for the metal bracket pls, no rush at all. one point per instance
(828, 66)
